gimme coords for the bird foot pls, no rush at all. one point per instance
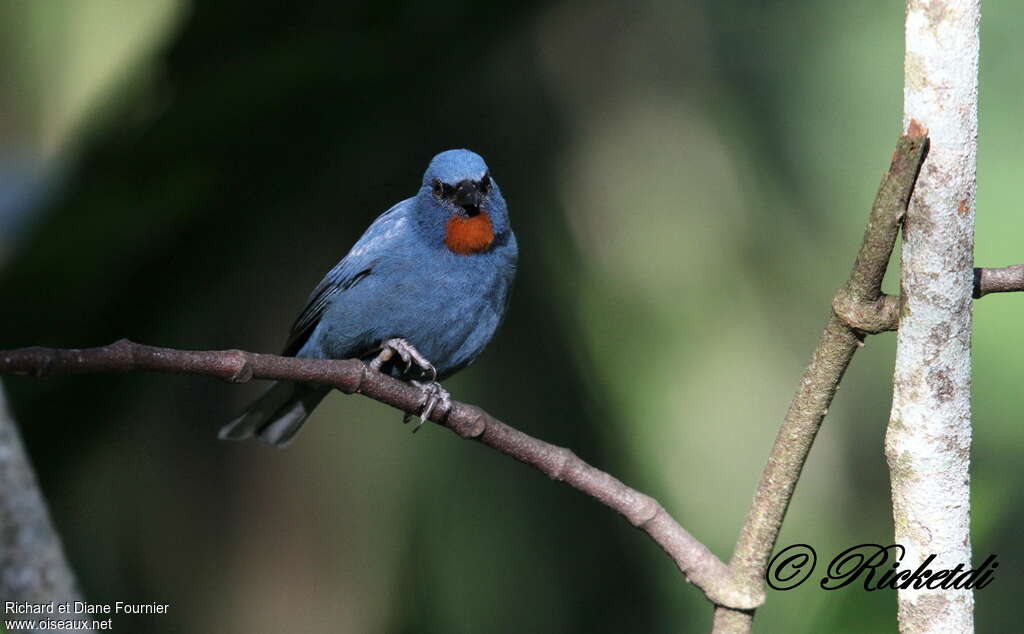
(434, 397)
(407, 353)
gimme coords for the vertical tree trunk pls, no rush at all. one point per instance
(929, 436)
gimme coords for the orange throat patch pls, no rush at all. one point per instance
(465, 236)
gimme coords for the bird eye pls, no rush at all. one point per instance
(485, 182)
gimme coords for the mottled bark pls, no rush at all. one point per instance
(929, 435)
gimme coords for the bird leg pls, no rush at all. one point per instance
(434, 396)
(407, 353)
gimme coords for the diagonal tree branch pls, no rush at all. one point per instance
(33, 568)
(859, 308)
(700, 566)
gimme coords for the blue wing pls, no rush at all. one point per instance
(352, 269)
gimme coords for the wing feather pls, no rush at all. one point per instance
(352, 269)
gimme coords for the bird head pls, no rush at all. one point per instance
(460, 204)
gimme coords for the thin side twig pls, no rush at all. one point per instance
(1004, 280)
(859, 308)
(699, 565)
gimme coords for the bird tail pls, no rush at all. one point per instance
(277, 415)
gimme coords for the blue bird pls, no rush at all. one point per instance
(427, 285)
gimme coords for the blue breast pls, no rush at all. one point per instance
(447, 305)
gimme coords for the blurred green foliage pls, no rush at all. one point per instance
(689, 183)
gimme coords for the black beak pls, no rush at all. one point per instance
(469, 197)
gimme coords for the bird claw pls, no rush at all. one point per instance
(407, 353)
(434, 396)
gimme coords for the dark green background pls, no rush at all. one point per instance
(688, 182)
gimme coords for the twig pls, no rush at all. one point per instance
(884, 315)
(700, 566)
(1004, 280)
(859, 308)
(33, 568)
